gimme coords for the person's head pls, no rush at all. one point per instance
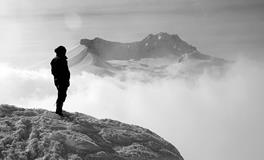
(60, 51)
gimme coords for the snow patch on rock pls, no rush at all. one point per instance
(40, 134)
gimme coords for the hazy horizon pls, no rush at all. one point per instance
(31, 29)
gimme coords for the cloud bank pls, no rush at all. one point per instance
(209, 119)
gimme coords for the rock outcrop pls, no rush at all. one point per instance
(27, 134)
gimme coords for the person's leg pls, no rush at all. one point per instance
(62, 93)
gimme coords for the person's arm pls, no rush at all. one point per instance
(52, 67)
(68, 70)
(54, 71)
(67, 73)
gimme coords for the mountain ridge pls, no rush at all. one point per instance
(40, 134)
(153, 46)
(159, 55)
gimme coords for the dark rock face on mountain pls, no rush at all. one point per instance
(153, 46)
(160, 55)
(27, 134)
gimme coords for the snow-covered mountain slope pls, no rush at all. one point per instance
(153, 46)
(81, 59)
(27, 134)
(156, 55)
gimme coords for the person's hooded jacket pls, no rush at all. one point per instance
(60, 69)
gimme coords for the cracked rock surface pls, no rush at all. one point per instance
(27, 134)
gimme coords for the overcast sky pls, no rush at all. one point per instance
(226, 28)
(220, 119)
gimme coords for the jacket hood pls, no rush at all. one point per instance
(62, 56)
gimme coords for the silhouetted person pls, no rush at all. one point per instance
(61, 73)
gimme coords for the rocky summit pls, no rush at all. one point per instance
(27, 134)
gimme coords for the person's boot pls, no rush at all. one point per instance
(59, 113)
(59, 109)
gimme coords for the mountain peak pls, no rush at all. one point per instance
(41, 134)
(161, 35)
(164, 34)
(98, 39)
(154, 45)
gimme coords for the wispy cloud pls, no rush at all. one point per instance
(213, 119)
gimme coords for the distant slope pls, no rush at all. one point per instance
(83, 60)
(153, 46)
(104, 57)
(27, 134)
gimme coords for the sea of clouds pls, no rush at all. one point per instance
(208, 119)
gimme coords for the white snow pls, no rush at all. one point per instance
(76, 136)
